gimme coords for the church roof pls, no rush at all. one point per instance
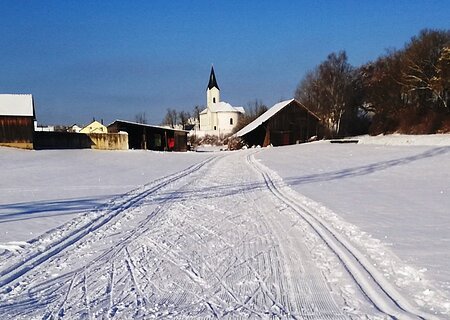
(223, 107)
(212, 80)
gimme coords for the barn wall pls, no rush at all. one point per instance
(256, 137)
(61, 140)
(16, 132)
(73, 140)
(180, 141)
(292, 125)
(109, 141)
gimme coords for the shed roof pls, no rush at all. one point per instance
(147, 125)
(16, 105)
(267, 115)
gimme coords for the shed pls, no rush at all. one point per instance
(17, 118)
(287, 122)
(150, 137)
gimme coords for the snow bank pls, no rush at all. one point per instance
(401, 139)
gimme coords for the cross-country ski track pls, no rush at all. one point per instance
(225, 238)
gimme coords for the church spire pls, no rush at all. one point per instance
(212, 80)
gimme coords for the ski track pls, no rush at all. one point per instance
(61, 241)
(381, 293)
(220, 239)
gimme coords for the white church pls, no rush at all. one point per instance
(219, 118)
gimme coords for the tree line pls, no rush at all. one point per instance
(406, 90)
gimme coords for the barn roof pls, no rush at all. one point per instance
(16, 105)
(267, 115)
(223, 107)
(146, 125)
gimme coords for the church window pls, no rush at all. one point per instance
(215, 128)
(214, 100)
(231, 121)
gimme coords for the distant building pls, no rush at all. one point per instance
(94, 127)
(43, 128)
(219, 118)
(287, 122)
(17, 118)
(74, 128)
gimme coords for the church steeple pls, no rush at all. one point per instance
(213, 91)
(212, 80)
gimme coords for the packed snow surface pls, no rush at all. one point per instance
(317, 231)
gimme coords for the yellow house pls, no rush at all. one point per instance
(94, 127)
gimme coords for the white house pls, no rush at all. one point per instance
(219, 117)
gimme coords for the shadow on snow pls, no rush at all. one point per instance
(38, 209)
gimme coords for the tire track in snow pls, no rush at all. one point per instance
(380, 292)
(35, 257)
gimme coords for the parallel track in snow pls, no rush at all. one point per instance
(372, 283)
(35, 257)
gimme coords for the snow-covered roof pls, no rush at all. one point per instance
(223, 107)
(16, 105)
(266, 116)
(240, 109)
(263, 118)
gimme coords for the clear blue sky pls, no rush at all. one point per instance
(113, 59)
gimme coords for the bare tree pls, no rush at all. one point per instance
(440, 84)
(423, 76)
(141, 118)
(183, 118)
(253, 110)
(196, 112)
(328, 90)
(171, 117)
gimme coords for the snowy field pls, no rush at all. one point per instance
(317, 231)
(395, 193)
(40, 190)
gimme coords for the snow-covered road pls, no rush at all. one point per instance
(221, 238)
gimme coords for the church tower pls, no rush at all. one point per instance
(213, 91)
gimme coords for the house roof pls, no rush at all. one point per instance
(16, 105)
(223, 107)
(267, 115)
(95, 122)
(212, 80)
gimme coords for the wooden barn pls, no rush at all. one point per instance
(287, 122)
(17, 118)
(149, 137)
